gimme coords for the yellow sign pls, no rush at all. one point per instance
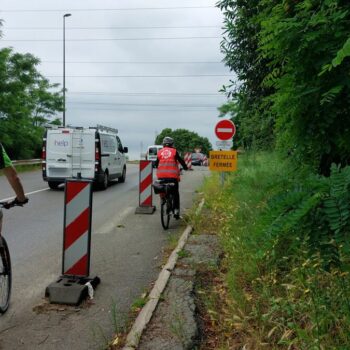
(223, 160)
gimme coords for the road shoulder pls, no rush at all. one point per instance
(175, 325)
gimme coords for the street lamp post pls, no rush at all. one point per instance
(64, 68)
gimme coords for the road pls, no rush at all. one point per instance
(126, 255)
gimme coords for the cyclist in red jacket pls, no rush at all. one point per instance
(168, 169)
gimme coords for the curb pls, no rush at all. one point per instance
(134, 336)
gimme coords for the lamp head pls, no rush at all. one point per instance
(67, 15)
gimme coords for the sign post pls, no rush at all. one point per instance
(224, 161)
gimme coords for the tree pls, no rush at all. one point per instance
(240, 45)
(292, 59)
(27, 102)
(306, 45)
(185, 140)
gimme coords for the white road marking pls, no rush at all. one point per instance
(27, 194)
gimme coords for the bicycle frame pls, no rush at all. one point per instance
(167, 205)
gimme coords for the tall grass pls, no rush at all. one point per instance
(285, 236)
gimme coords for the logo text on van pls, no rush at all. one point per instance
(61, 143)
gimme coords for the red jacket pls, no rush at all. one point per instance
(167, 166)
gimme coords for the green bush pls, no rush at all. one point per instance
(286, 237)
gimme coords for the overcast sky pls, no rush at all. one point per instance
(135, 65)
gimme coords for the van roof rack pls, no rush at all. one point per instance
(53, 126)
(104, 128)
(98, 127)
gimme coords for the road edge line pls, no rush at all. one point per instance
(145, 315)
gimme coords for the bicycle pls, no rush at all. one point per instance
(166, 194)
(5, 264)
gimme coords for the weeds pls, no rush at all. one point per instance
(183, 254)
(118, 319)
(139, 303)
(177, 326)
(285, 235)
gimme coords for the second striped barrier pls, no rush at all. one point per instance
(188, 160)
(145, 188)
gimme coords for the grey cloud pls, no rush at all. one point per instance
(137, 124)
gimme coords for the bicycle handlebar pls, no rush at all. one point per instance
(13, 203)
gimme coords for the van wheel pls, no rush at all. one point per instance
(122, 178)
(53, 184)
(104, 183)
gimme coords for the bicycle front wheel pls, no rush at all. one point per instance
(5, 276)
(164, 214)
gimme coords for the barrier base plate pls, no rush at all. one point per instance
(70, 290)
(145, 210)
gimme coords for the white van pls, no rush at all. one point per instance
(94, 153)
(152, 152)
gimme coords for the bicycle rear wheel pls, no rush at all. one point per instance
(165, 213)
(5, 276)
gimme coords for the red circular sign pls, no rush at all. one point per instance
(225, 129)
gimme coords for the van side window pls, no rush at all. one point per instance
(108, 144)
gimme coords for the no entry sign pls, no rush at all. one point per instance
(225, 129)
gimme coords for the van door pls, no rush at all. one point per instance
(83, 153)
(120, 156)
(58, 150)
(108, 154)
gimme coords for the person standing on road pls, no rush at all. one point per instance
(13, 179)
(168, 169)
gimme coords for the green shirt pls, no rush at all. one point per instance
(5, 161)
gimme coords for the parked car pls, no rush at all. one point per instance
(197, 158)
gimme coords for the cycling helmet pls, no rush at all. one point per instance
(168, 141)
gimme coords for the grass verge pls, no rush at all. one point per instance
(284, 281)
(24, 168)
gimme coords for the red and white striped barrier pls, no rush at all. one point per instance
(205, 161)
(77, 228)
(74, 285)
(188, 160)
(145, 189)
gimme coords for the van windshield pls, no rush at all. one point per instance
(152, 151)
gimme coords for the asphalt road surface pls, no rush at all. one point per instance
(126, 255)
